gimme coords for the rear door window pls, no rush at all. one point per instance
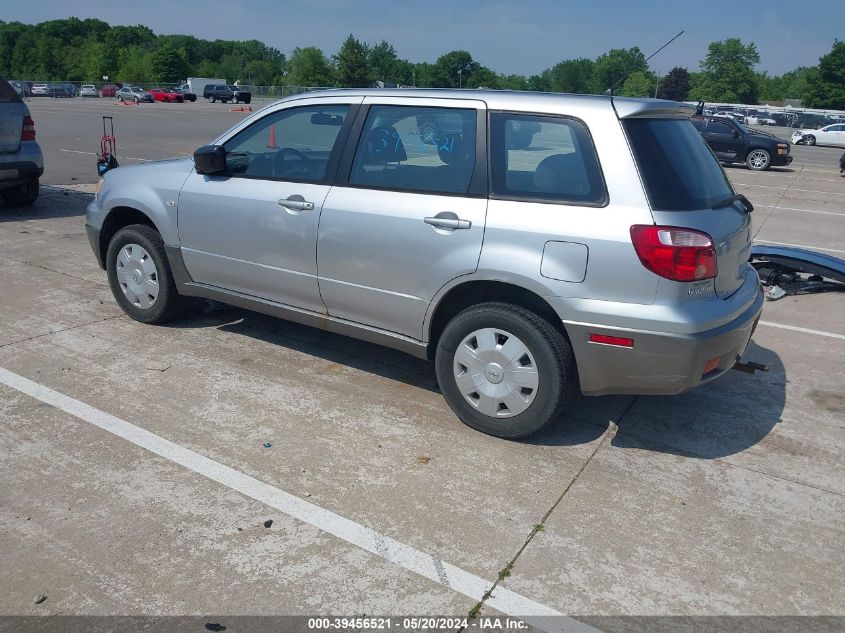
(416, 149)
(678, 169)
(544, 158)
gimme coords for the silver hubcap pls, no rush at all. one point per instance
(137, 276)
(758, 160)
(496, 373)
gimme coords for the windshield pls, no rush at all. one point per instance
(678, 169)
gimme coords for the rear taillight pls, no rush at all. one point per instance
(675, 253)
(28, 129)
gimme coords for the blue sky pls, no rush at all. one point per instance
(523, 36)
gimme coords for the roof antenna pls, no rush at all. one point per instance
(609, 91)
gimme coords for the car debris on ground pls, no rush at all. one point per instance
(785, 271)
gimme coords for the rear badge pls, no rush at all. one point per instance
(699, 288)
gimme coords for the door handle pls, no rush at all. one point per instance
(296, 203)
(448, 223)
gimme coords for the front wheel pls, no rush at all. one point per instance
(504, 370)
(140, 277)
(810, 140)
(758, 160)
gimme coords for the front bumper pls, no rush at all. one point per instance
(659, 363)
(94, 241)
(781, 160)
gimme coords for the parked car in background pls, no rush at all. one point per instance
(135, 94)
(760, 118)
(186, 93)
(828, 135)
(219, 92)
(21, 162)
(89, 90)
(503, 277)
(108, 90)
(732, 142)
(70, 89)
(159, 94)
(239, 95)
(40, 90)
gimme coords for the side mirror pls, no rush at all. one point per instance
(210, 159)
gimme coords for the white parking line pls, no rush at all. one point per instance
(405, 556)
(812, 248)
(776, 208)
(795, 328)
(827, 193)
(76, 151)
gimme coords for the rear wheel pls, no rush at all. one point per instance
(758, 160)
(504, 370)
(22, 195)
(140, 277)
(213, 98)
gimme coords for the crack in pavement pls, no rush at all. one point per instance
(53, 270)
(777, 203)
(608, 435)
(66, 329)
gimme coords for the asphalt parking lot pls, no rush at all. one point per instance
(137, 477)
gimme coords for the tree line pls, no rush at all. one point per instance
(86, 50)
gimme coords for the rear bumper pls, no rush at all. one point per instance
(23, 165)
(660, 363)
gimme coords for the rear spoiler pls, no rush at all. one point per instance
(628, 108)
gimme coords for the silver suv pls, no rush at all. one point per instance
(21, 162)
(531, 245)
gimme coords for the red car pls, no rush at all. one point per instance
(108, 90)
(166, 95)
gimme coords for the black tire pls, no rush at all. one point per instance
(758, 159)
(557, 373)
(168, 304)
(22, 195)
(213, 98)
(810, 139)
(136, 100)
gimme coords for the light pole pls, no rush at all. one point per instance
(467, 66)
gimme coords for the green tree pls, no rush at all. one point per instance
(727, 73)
(383, 62)
(572, 75)
(826, 85)
(351, 64)
(447, 66)
(513, 82)
(309, 67)
(638, 84)
(167, 65)
(615, 65)
(675, 86)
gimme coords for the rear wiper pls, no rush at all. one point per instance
(735, 198)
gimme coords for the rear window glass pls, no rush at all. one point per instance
(7, 93)
(678, 168)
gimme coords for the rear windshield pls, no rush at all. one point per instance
(7, 93)
(678, 168)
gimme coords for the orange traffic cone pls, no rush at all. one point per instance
(272, 143)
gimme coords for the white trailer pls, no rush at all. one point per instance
(197, 84)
